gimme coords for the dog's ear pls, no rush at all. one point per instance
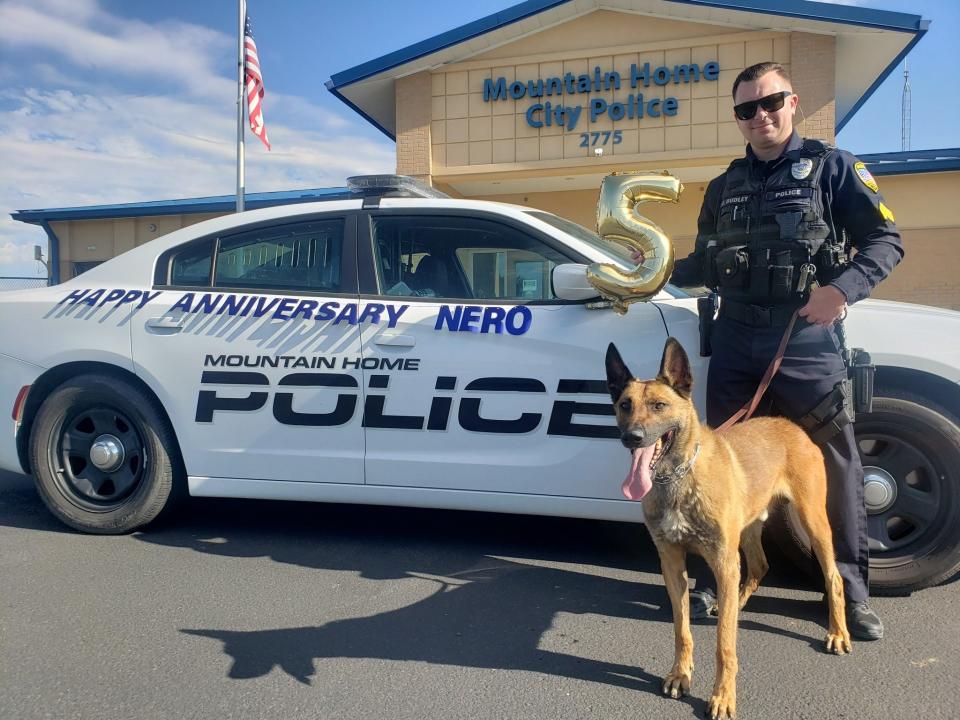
(675, 368)
(618, 375)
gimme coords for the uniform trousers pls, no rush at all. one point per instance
(811, 367)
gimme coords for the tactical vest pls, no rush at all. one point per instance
(771, 237)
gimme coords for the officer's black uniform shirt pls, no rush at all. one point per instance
(849, 204)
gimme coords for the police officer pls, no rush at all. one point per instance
(773, 236)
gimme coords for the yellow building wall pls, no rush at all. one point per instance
(467, 132)
(413, 126)
(99, 240)
(468, 135)
(928, 217)
(924, 205)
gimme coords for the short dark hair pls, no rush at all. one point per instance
(760, 69)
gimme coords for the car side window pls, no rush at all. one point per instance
(461, 258)
(305, 256)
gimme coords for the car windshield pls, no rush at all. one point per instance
(615, 252)
(610, 250)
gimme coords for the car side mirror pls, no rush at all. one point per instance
(570, 282)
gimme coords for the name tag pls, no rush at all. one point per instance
(734, 200)
(789, 193)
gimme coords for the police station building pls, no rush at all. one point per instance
(535, 104)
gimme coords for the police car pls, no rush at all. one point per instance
(405, 349)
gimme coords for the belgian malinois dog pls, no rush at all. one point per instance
(708, 492)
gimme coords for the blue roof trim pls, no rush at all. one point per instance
(903, 155)
(218, 204)
(846, 14)
(890, 163)
(356, 109)
(913, 161)
(439, 42)
(819, 11)
(805, 9)
(915, 166)
(921, 31)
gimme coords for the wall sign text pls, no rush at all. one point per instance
(636, 106)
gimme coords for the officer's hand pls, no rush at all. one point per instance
(825, 306)
(638, 257)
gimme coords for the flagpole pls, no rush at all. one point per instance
(241, 4)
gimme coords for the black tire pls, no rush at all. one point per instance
(912, 445)
(104, 457)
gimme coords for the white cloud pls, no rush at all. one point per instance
(15, 253)
(94, 40)
(72, 137)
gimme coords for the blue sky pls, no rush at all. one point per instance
(107, 101)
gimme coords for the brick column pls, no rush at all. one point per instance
(414, 98)
(813, 67)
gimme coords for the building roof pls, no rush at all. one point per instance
(217, 204)
(913, 161)
(870, 43)
(892, 163)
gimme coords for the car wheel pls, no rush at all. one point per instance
(910, 450)
(104, 456)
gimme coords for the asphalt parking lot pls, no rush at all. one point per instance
(236, 609)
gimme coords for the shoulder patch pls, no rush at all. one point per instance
(865, 177)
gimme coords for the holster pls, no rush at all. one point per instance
(830, 415)
(707, 312)
(860, 371)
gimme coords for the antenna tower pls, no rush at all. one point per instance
(905, 110)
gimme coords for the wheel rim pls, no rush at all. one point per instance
(903, 489)
(101, 458)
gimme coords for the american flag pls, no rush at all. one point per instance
(251, 73)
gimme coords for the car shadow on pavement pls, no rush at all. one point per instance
(500, 582)
(492, 618)
(496, 598)
(494, 595)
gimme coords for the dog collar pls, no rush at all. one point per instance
(680, 471)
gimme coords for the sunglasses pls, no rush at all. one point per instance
(770, 103)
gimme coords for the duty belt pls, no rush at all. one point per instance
(757, 315)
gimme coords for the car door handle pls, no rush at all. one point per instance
(165, 324)
(394, 340)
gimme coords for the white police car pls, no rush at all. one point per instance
(418, 351)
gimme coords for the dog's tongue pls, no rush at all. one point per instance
(639, 482)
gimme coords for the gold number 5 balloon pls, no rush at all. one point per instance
(619, 222)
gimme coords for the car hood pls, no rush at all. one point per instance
(905, 335)
(900, 308)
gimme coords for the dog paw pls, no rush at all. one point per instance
(839, 643)
(722, 705)
(677, 683)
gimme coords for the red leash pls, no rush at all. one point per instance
(751, 405)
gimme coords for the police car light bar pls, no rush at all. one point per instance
(392, 186)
